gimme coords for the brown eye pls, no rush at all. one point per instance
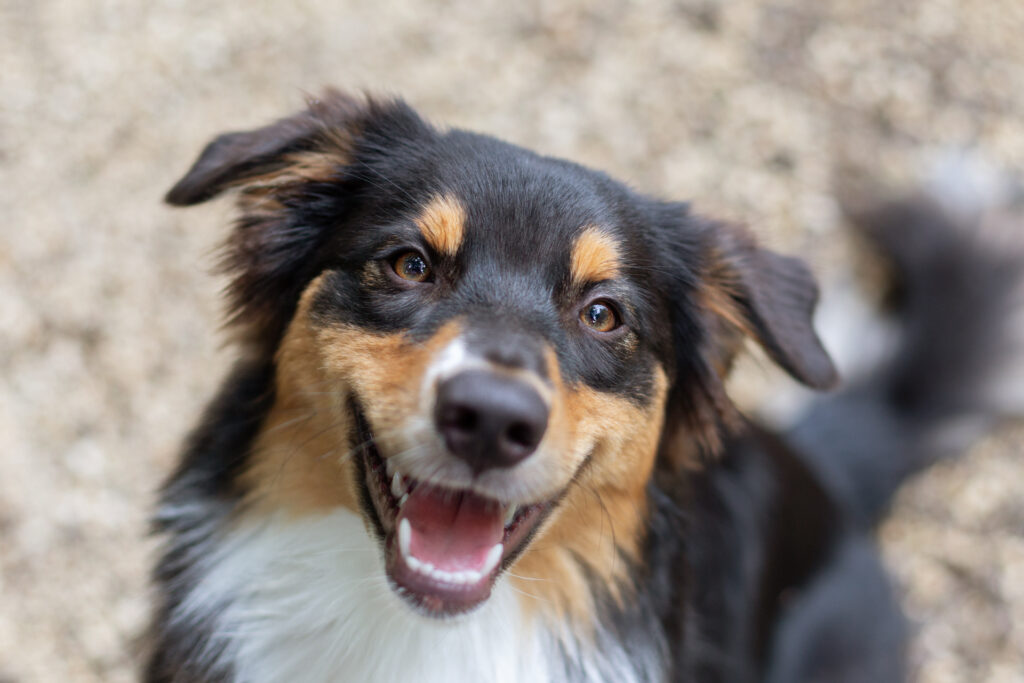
(412, 266)
(599, 317)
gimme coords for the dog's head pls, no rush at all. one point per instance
(484, 352)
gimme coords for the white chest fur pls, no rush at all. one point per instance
(307, 601)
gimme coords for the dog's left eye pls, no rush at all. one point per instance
(599, 316)
(412, 266)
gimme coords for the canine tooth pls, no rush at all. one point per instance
(397, 485)
(510, 513)
(389, 465)
(404, 539)
(401, 501)
(493, 557)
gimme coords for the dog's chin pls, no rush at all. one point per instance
(444, 548)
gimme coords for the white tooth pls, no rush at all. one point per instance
(473, 576)
(493, 557)
(397, 485)
(404, 539)
(427, 568)
(510, 513)
(413, 563)
(401, 501)
(389, 465)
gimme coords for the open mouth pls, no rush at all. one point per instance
(443, 547)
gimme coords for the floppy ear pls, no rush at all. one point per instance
(291, 180)
(722, 289)
(232, 159)
(768, 297)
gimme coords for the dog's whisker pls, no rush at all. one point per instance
(522, 577)
(520, 591)
(288, 423)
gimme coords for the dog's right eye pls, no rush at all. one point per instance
(412, 266)
(599, 316)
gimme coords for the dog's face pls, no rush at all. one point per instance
(478, 349)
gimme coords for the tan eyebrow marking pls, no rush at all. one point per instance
(443, 223)
(595, 256)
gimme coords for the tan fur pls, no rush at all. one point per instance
(301, 459)
(718, 294)
(595, 257)
(443, 224)
(728, 329)
(299, 462)
(262, 194)
(603, 515)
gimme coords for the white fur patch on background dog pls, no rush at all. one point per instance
(306, 600)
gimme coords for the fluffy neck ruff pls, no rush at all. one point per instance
(306, 599)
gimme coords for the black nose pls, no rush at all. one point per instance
(489, 420)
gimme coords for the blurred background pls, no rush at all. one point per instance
(109, 313)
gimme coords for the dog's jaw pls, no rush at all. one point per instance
(444, 548)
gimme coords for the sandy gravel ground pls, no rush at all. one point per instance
(109, 315)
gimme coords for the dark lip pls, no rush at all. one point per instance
(381, 508)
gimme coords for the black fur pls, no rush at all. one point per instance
(199, 497)
(757, 568)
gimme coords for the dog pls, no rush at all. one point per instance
(478, 428)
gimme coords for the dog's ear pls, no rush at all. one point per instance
(280, 171)
(768, 297)
(295, 180)
(233, 159)
(724, 288)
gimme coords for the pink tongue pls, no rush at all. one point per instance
(451, 530)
